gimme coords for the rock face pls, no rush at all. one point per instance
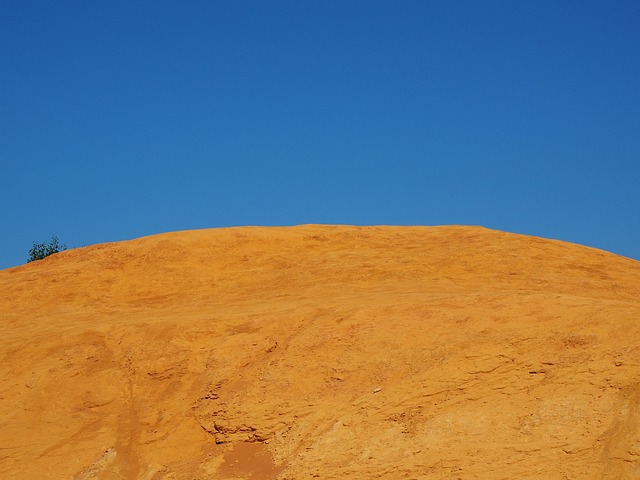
(321, 351)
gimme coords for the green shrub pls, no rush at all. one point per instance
(42, 250)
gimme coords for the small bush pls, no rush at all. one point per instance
(42, 250)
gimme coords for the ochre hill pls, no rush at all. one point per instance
(322, 352)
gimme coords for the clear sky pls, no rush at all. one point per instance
(120, 119)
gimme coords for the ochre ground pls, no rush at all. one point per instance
(322, 352)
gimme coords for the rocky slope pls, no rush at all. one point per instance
(322, 352)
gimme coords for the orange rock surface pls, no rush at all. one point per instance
(322, 352)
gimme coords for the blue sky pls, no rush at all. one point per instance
(120, 119)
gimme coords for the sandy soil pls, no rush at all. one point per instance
(322, 352)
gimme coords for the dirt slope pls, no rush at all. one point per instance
(320, 351)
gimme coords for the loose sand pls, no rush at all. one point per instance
(322, 352)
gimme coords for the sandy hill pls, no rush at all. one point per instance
(322, 352)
